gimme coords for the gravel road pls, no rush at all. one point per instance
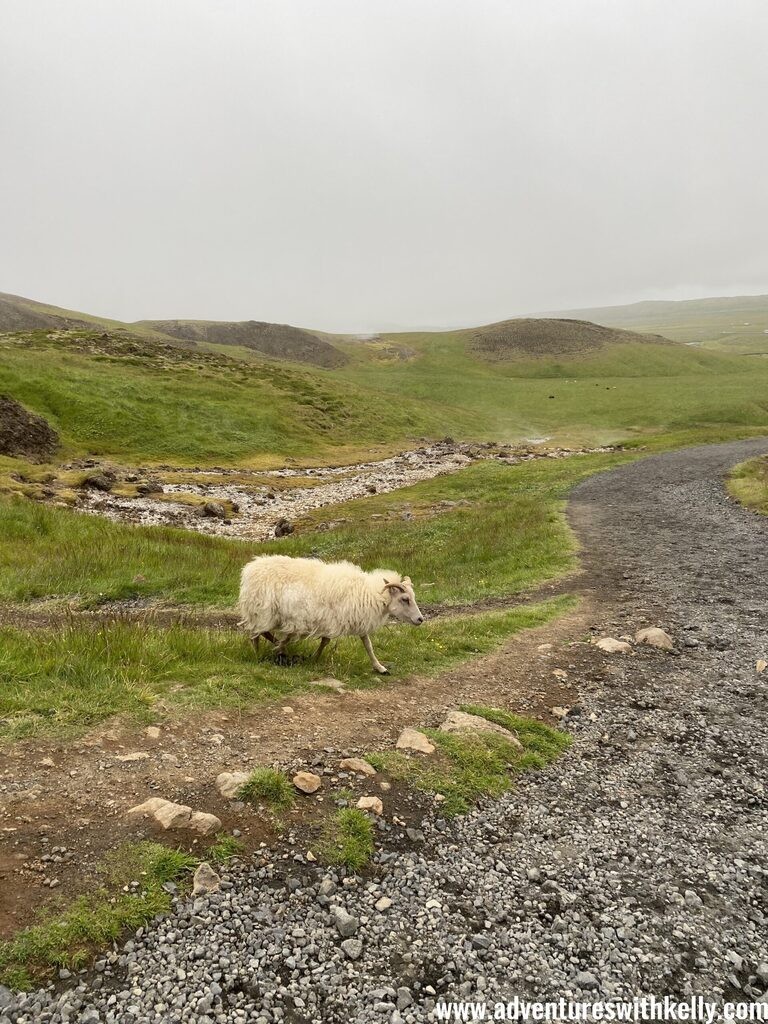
(636, 864)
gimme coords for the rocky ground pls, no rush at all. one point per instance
(264, 504)
(636, 864)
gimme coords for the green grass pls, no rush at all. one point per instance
(467, 767)
(129, 399)
(69, 678)
(269, 786)
(612, 394)
(225, 848)
(68, 938)
(510, 536)
(748, 483)
(348, 839)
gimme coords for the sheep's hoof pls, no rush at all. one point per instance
(382, 670)
(285, 659)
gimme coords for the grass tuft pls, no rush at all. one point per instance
(748, 483)
(348, 840)
(271, 786)
(225, 848)
(467, 767)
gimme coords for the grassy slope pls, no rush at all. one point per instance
(189, 408)
(614, 393)
(733, 324)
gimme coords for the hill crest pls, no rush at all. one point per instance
(550, 336)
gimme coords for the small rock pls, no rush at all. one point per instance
(357, 765)
(761, 665)
(655, 637)
(205, 880)
(346, 924)
(370, 803)
(97, 482)
(230, 783)
(612, 646)
(353, 948)
(283, 528)
(460, 721)
(383, 904)
(307, 782)
(152, 732)
(138, 755)
(212, 510)
(412, 739)
(586, 979)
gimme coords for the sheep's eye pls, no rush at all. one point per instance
(406, 600)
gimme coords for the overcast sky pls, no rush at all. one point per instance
(353, 165)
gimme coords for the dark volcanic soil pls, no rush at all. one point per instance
(24, 433)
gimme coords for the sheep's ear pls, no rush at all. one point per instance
(407, 581)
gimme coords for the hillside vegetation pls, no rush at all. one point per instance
(211, 397)
(735, 324)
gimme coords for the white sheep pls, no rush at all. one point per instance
(283, 599)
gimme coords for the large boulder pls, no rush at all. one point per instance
(24, 434)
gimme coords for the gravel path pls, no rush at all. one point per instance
(636, 864)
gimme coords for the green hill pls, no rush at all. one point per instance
(736, 324)
(189, 400)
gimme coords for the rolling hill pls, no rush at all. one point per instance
(204, 393)
(551, 337)
(279, 341)
(737, 324)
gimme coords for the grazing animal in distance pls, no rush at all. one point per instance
(284, 598)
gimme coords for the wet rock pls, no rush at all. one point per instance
(282, 528)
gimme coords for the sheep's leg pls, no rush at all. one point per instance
(280, 647)
(377, 666)
(256, 640)
(324, 641)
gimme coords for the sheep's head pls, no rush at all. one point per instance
(402, 605)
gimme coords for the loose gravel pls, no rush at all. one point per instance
(635, 864)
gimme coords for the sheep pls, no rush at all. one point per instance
(283, 598)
